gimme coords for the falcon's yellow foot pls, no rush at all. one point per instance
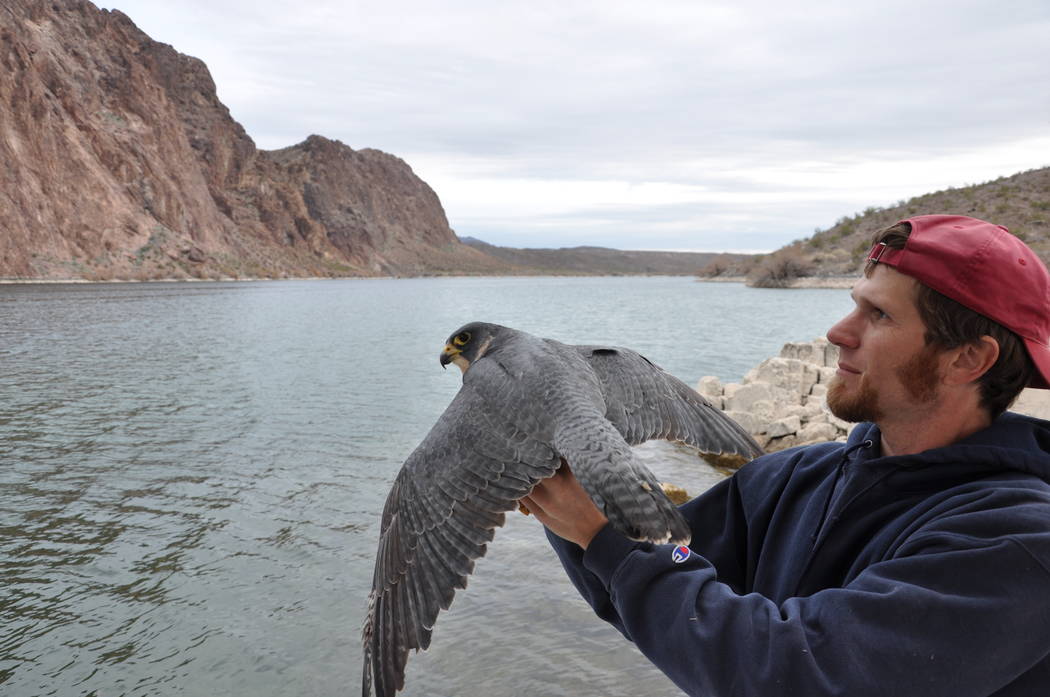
(677, 494)
(523, 509)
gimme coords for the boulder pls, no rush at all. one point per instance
(784, 427)
(710, 388)
(814, 352)
(748, 421)
(817, 432)
(825, 374)
(831, 355)
(744, 397)
(790, 378)
(805, 412)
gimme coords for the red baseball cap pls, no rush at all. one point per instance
(985, 268)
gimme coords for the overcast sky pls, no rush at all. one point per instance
(640, 125)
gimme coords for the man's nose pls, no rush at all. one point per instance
(844, 332)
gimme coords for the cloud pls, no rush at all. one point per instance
(577, 122)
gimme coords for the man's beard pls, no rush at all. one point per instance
(861, 405)
(919, 376)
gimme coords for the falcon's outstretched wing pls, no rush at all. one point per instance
(643, 402)
(448, 499)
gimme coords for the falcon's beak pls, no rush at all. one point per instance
(448, 354)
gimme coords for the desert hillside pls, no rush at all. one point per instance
(1020, 202)
(600, 260)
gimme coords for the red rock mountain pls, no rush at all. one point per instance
(119, 161)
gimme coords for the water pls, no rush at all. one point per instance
(191, 477)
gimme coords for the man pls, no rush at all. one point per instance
(913, 559)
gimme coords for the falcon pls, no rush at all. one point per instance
(526, 404)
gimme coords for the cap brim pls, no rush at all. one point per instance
(1040, 354)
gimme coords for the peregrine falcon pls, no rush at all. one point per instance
(526, 403)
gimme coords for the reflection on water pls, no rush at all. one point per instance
(191, 477)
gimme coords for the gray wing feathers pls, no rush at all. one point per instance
(622, 488)
(644, 403)
(443, 508)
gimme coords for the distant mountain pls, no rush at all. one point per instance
(1020, 202)
(119, 161)
(598, 260)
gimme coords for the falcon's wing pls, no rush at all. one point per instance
(643, 402)
(445, 504)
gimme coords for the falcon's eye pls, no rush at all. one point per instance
(461, 339)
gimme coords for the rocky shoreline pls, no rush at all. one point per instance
(781, 401)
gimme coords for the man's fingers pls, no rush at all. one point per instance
(529, 506)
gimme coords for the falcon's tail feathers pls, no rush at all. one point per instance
(647, 516)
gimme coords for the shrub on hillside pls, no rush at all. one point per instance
(779, 269)
(726, 265)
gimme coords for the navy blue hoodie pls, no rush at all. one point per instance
(829, 570)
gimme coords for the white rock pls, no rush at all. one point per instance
(784, 427)
(809, 352)
(810, 411)
(710, 387)
(744, 397)
(818, 431)
(831, 355)
(790, 378)
(815, 410)
(825, 374)
(764, 410)
(820, 348)
(791, 349)
(781, 443)
(783, 400)
(748, 421)
(844, 426)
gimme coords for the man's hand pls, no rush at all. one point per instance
(561, 504)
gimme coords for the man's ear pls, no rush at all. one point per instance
(972, 360)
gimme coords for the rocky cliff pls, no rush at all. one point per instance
(121, 162)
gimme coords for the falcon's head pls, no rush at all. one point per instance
(469, 343)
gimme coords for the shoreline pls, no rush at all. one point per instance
(837, 282)
(81, 281)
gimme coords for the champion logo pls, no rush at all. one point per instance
(680, 554)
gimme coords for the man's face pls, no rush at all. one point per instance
(886, 371)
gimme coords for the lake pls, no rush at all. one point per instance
(191, 477)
